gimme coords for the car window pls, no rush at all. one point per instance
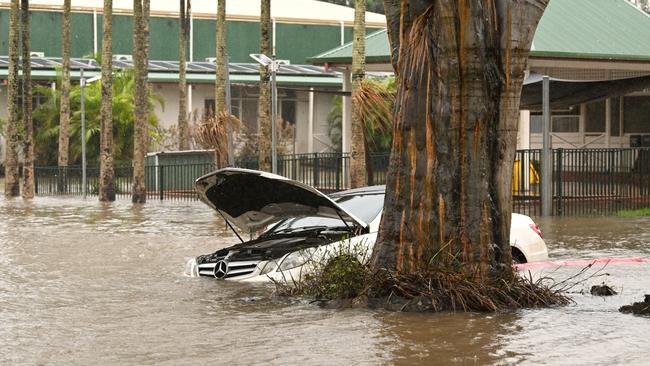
(366, 207)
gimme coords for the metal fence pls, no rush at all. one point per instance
(585, 181)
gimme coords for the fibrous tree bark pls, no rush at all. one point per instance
(459, 67)
(28, 125)
(64, 112)
(220, 108)
(106, 170)
(141, 62)
(264, 106)
(12, 185)
(357, 145)
(184, 31)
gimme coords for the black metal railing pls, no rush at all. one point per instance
(585, 181)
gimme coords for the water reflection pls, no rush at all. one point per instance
(85, 282)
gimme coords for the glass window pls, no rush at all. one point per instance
(636, 114)
(567, 120)
(565, 124)
(365, 207)
(595, 117)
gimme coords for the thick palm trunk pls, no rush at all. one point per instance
(184, 22)
(12, 185)
(28, 126)
(264, 106)
(106, 170)
(460, 67)
(221, 158)
(140, 53)
(357, 147)
(64, 119)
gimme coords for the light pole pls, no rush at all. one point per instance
(274, 66)
(82, 100)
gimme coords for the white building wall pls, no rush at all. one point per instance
(168, 115)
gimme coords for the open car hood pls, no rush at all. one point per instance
(252, 200)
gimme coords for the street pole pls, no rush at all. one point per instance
(82, 83)
(231, 150)
(547, 155)
(274, 107)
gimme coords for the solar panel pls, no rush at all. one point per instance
(173, 66)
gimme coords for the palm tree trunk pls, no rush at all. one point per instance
(28, 125)
(12, 185)
(357, 148)
(184, 22)
(106, 170)
(221, 155)
(264, 106)
(460, 68)
(140, 53)
(64, 119)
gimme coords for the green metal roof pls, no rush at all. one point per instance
(583, 29)
(377, 50)
(593, 29)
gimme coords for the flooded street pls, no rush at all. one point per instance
(82, 282)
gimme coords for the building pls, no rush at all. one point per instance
(577, 40)
(300, 29)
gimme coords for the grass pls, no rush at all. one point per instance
(634, 213)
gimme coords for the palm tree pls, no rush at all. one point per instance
(220, 108)
(357, 148)
(46, 120)
(141, 61)
(12, 185)
(264, 106)
(184, 20)
(106, 170)
(28, 126)
(64, 120)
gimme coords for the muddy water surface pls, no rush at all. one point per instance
(82, 282)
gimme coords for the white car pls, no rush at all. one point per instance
(299, 226)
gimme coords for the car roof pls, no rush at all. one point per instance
(363, 190)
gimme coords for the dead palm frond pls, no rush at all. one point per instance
(374, 102)
(212, 133)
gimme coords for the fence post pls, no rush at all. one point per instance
(560, 182)
(316, 171)
(161, 181)
(339, 164)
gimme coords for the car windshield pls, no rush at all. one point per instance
(364, 206)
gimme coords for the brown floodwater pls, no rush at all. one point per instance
(86, 283)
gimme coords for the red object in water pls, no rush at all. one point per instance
(580, 262)
(536, 230)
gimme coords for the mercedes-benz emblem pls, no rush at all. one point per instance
(220, 269)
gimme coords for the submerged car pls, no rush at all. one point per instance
(299, 226)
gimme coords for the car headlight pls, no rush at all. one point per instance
(295, 259)
(269, 267)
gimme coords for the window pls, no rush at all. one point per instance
(561, 121)
(595, 117)
(636, 114)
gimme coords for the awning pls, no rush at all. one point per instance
(566, 93)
